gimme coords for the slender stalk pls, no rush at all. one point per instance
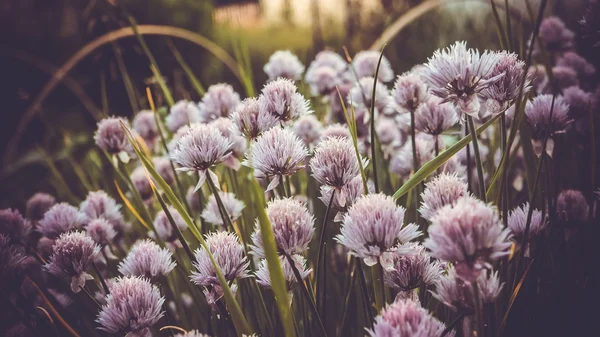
(454, 323)
(365, 293)
(87, 292)
(468, 150)
(415, 158)
(378, 285)
(320, 264)
(352, 276)
(306, 295)
(477, 158)
(101, 278)
(222, 209)
(504, 192)
(478, 311)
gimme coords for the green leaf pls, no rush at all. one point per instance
(186, 68)
(438, 161)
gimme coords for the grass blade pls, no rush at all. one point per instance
(131, 208)
(514, 296)
(186, 68)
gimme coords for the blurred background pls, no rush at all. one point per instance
(47, 126)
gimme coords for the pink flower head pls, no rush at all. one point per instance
(11, 259)
(228, 253)
(444, 189)
(457, 74)
(579, 102)
(412, 267)
(59, 219)
(402, 161)
(281, 99)
(277, 152)
(101, 231)
(308, 128)
(361, 96)
(293, 227)
(133, 306)
(434, 117)
(547, 119)
(336, 130)
(408, 93)
(98, 205)
(572, 60)
(323, 80)
(572, 206)
(283, 63)
(141, 183)
(13, 224)
(351, 191)
(144, 125)
(469, 234)
(502, 93)
(517, 222)
(365, 65)
(163, 227)
(72, 253)
(219, 101)
(406, 318)
(372, 226)
(38, 204)
(111, 137)
(250, 120)
(233, 206)
(264, 278)
(147, 259)
(201, 148)
(556, 36)
(238, 142)
(182, 113)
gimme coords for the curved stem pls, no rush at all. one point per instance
(477, 158)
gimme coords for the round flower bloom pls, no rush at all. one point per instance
(517, 221)
(572, 206)
(202, 147)
(72, 253)
(444, 189)
(323, 80)
(579, 101)
(111, 137)
(277, 152)
(164, 169)
(372, 226)
(250, 120)
(182, 113)
(408, 93)
(572, 60)
(283, 63)
(547, 120)
(326, 58)
(365, 64)
(232, 205)
(264, 279)
(98, 204)
(433, 117)
(352, 191)
(335, 165)
(406, 318)
(402, 162)
(238, 142)
(563, 77)
(144, 124)
(556, 36)
(141, 183)
(38, 204)
(502, 93)
(227, 252)
(13, 224)
(457, 294)
(11, 259)
(336, 130)
(363, 90)
(293, 227)
(412, 267)
(163, 227)
(457, 74)
(147, 259)
(61, 218)
(101, 231)
(132, 307)
(219, 101)
(308, 128)
(469, 234)
(390, 134)
(281, 99)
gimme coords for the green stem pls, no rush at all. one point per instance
(478, 313)
(222, 209)
(352, 276)
(124, 174)
(477, 158)
(413, 140)
(101, 278)
(320, 264)
(378, 286)
(504, 192)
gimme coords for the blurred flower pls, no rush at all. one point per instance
(327, 58)
(250, 120)
(163, 227)
(293, 227)
(457, 74)
(202, 147)
(238, 142)
(444, 189)
(144, 125)
(469, 234)
(277, 152)
(233, 206)
(563, 77)
(539, 77)
(193, 200)
(72, 253)
(101, 231)
(38, 204)
(227, 252)
(219, 101)
(361, 96)
(335, 130)
(556, 36)
(308, 129)
(335, 165)
(13, 224)
(457, 294)
(408, 93)
(389, 133)
(502, 93)
(182, 113)
(112, 138)
(98, 204)
(402, 161)
(517, 222)
(352, 191)
(264, 279)
(323, 80)
(59, 219)
(579, 101)
(164, 169)
(336, 98)
(372, 226)
(132, 307)
(581, 66)
(147, 259)
(411, 267)
(365, 64)
(280, 99)
(572, 206)
(141, 183)
(406, 318)
(283, 63)
(11, 259)
(547, 116)
(433, 117)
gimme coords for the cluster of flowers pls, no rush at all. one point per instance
(452, 252)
